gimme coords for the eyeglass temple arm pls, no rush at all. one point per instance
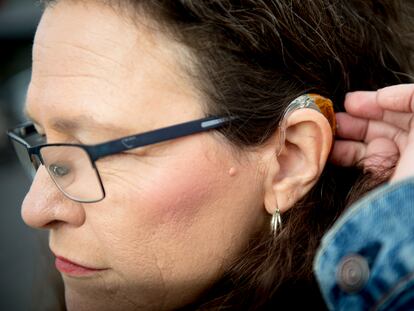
(156, 136)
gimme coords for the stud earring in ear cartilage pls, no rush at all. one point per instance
(276, 222)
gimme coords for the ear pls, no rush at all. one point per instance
(303, 156)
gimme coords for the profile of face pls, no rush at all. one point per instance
(176, 213)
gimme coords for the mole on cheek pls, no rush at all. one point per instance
(232, 171)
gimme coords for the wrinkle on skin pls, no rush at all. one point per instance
(80, 76)
(173, 218)
(151, 52)
(94, 54)
(149, 44)
(76, 51)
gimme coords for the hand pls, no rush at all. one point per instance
(377, 131)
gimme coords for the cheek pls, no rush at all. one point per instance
(169, 190)
(154, 223)
(178, 194)
(157, 203)
(172, 225)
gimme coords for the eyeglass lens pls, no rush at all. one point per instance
(71, 169)
(24, 159)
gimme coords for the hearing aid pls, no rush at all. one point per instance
(312, 101)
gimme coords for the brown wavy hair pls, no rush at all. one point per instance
(250, 59)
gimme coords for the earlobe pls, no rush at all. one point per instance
(291, 174)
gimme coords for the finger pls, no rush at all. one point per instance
(365, 105)
(357, 129)
(405, 167)
(385, 131)
(380, 154)
(350, 127)
(403, 120)
(347, 153)
(398, 98)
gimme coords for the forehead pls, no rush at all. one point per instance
(89, 59)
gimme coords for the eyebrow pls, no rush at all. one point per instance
(81, 122)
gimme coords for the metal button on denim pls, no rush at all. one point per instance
(352, 273)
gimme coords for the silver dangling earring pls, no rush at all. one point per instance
(276, 222)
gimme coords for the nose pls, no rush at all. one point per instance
(45, 206)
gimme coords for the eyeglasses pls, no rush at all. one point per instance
(72, 166)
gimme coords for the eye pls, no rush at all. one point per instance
(41, 136)
(58, 170)
(38, 129)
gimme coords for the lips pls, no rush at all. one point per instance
(74, 269)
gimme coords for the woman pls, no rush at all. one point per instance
(185, 223)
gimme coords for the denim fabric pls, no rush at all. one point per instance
(379, 231)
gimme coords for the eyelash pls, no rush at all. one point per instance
(44, 137)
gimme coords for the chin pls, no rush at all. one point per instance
(97, 299)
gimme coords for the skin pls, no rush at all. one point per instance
(376, 131)
(175, 214)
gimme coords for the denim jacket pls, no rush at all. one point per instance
(366, 260)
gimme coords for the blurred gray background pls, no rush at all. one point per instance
(28, 280)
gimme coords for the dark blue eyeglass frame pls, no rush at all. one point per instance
(23, 132)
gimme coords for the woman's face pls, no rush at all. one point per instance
(175, 213)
